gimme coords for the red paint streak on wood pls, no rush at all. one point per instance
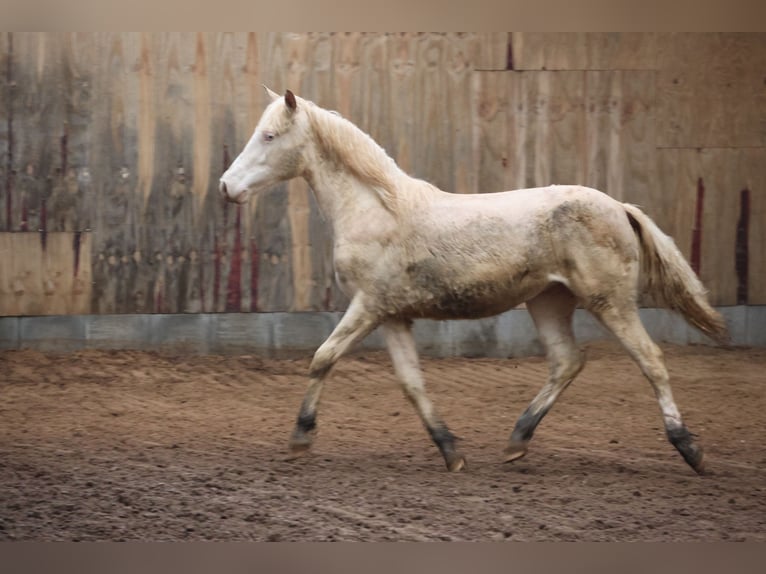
(254, 262)
(24, 216)
(9, 126)
(697, 229)
(216, 273)
(64, 150)
(741, 249)
(76, 244)
(44, 227)
(234, 288)
(327, 298)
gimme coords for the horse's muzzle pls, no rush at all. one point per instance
(224, 191)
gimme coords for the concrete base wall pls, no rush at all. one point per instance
(294, 334)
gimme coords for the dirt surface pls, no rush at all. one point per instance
(100, 445)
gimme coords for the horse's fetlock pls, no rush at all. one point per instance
(306, 422)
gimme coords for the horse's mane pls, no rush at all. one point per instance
(343, 142)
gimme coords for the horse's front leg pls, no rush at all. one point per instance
(404, 355)
(356, 324)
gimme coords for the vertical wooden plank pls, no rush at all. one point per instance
(40, 122)
(325, 294)
(550, 107)
(225, 104)
(7, 107)
(271, 224)
(168, 209)
(432, 121)
(619, 134)
(402, 77)
(122, 267)
(491, 130)
(462, 52)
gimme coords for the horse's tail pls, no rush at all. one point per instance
(670, 279)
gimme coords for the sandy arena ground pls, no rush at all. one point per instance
(125, 445)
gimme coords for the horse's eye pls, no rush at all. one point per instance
(268, 136)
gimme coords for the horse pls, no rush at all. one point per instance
(404, 250)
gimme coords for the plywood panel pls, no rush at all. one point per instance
(710, 90)
(587, 128)
(45, 273)
(121, 169)
(493, 51)
(584, 50)
(547, 111)
(719, 175)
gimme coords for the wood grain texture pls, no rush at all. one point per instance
(7, 107)
(493, 51)
(723, 173)
(587, 128)
(493, 127)
(584, 50)
(711, 90)
(126, 134)
(45, 273)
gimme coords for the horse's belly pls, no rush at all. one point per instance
(445, 298)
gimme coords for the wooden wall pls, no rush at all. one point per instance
(111, 145)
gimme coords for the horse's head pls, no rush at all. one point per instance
(273, 154)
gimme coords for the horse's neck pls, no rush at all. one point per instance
(347, 203)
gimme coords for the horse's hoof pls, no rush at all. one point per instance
(298, 450)
(456, 463)
(514, 451)
(699, 466)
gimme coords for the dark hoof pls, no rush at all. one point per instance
(514, 450)
(700, 466)
(683, 440)
(300, 442)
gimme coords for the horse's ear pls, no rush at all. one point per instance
(290, 101)
(272, 95)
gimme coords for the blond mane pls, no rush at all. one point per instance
(344, 143)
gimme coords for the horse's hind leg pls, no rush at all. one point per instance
(404, 355)
(552, 313)
(626, 325)
(353, 327)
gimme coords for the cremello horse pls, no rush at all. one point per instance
(404, 250)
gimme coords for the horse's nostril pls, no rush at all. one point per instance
(223, 190)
